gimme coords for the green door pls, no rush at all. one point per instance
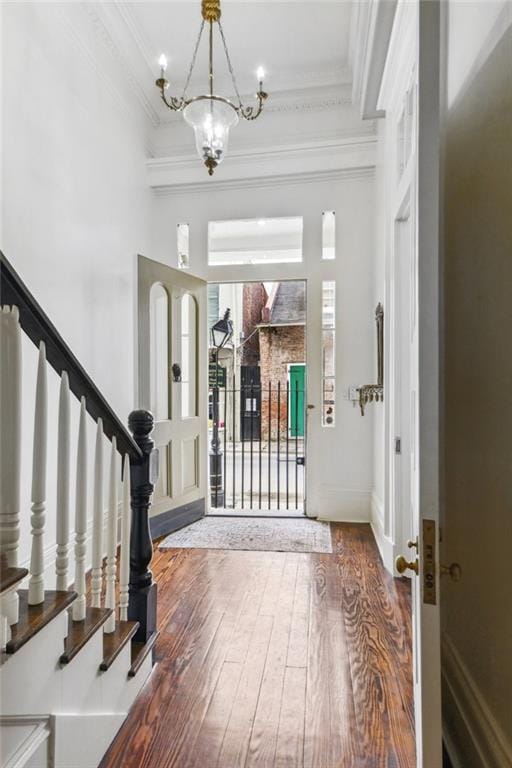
(297, 376)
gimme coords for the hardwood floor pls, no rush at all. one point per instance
(269, 659)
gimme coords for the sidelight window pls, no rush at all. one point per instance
(328, 353)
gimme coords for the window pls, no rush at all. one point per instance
(328, 353)
(328, 235)
(159, 351)
(255, 241)
(183, 246)
(188, 356)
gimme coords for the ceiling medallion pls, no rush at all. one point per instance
(211, 116)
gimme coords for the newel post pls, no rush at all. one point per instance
(143, 475)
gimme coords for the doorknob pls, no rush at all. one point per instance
(454, 571)
(402, 565)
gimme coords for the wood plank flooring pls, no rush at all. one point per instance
(276, 660)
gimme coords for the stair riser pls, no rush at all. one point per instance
(29, 682)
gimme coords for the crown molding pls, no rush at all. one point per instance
(105, 18)
(311, 139)
(343, 157)
(303, 100)
(264, 182)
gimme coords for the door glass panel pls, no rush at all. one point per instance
(328, 352)
(183, 246)
(159, 351)
(188, 356)
(328, 235)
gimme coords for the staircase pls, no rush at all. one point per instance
(74, 657)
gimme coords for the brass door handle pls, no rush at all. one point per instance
(454, 571)
(402, 565)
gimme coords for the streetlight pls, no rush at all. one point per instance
(221, 332)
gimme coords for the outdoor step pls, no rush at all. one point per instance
(33, 618)
(114, 642)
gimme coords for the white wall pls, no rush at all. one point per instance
(75, 202)
(477, 419)
(340, 460)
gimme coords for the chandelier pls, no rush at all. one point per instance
(211, 116)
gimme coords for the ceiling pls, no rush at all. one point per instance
(306, 49)
(298, 43)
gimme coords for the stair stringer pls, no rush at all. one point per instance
(83, 706)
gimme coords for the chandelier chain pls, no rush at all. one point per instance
(192, 63)
(229, 65)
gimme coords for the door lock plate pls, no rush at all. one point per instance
(429, 562)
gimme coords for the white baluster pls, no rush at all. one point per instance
(110, 597)
(36, 582)
(63, 470)
(10, 450)
(124, 568)
(79, 606)
(97, 525)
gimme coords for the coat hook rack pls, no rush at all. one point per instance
(368, 393)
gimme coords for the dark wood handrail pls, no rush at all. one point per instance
(38, 327)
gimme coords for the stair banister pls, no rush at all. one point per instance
(139, 448)
(39, 459)
(38, 327)
(97, 521)
(143, 476)
(10, 447)
(63, 486)
(110, 597)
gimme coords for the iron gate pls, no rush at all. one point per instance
(259, 432)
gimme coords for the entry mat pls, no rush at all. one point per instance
(277, 535)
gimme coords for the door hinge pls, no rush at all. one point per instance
(398, 445)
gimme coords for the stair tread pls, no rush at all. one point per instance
(139, 652)
(114, 642)
(80, 632)
(10, 576)
(33, 618)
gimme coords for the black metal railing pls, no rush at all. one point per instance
(261, 430)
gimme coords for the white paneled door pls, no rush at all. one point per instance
(172, 380)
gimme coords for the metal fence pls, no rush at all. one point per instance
(257, 441)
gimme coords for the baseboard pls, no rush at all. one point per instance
(471, 734)
(343, 505)
(174, 519)
(384, 544)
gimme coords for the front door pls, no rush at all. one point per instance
(172, 383)
(424, 386)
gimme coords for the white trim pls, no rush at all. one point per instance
(32, 741)
(264, 182)
(371, 34)
(466, 710)
(384, 543)
(346, 505)
(318, 161)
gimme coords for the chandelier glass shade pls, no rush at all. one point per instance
(210, 115)
(211, 120)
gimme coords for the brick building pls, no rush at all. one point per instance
(282, 346)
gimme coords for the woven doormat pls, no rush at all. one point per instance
(278, 535)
